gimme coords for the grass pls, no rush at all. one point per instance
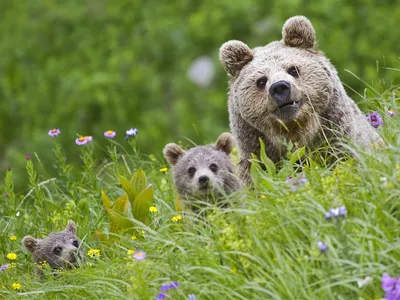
(263, 246)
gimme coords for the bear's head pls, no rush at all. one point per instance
(282, 86)
(203, 169)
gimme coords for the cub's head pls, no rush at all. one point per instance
(284, 84)
(58, 249)
(203, 170)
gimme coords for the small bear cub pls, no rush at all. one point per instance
(203, 171)
(58, 249)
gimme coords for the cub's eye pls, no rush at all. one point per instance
(214, 168)
(191, 171)
(75, 244)
(293, 71)
(57, 250)
(261, 82)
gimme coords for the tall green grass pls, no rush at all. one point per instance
(263, 246)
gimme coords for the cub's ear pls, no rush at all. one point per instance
(299, 32)
(172, 153)
(30, 243)
(71, 227)
(234, 55)
(225, 142)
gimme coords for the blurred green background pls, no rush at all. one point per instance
(86, 66)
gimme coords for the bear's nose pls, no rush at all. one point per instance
(203, 179)
(280, 91)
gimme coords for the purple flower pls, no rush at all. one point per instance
(192, 297)
(322, 247)
(374, 119)
(328, 215)
(9, 168)
(340, 211)
(139, 255)
(167, 287)
(81, 141)
(54, 132)
(4, 267)
(131, 133)
(391, 112)
(28, 156)
(161, 296)
(391, 286)
(110, 134)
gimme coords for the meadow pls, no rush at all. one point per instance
(305, 230)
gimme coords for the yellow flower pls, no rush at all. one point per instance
(94, 253)
(153, 209)
(163, 170)
(134, 238)
(130, 252)
(16, 286)
(262, 196)
(176, 218)
(233, 271)
(13, 238)
(12, 256)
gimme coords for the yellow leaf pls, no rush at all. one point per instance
(106, 199)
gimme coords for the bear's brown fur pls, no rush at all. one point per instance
(288, 90)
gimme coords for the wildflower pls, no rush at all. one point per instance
(131, 133)
(322, 247)
(133, 238)
(374, 119)
(363, 282)
(161, 296)
(130, 252)
(233, 270)
(54, 132)
(294, 182)
(262, 196)
(340, 211)
(9, 168)
(391, 286)
(176, 218)
(153, 209)
(110, 134)
(12, 256)
(81, 141)
(13, 238)
(16, 286)
(4, 267)
(167, 287)
(163, 170)
(89, 264)
(391, 112)
(88, 138)
(192, 297)
(28, 156)
(94, 253)
(139, 255)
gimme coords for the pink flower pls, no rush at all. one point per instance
(139, 255)
(28, 156)
(81, 141)
(54, 132)
(110, 134)
(88, 138)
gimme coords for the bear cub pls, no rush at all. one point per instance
(59, 249)
(203, 172)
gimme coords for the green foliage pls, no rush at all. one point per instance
(89, 66)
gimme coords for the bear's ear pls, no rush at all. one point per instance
(299, 32)
(172, 153)
(234, 55)
(71, 227)
(225, 143)
(30, 243)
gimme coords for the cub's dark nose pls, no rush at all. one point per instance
(280, 91)
(203, 179)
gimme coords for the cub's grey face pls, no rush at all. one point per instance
(202, 170)
(281, 84)
(58, 249)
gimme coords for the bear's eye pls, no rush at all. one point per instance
(261, 82)
(293, 71)
(75, 244)
(214, 168)
(57, 250)
(191, 171)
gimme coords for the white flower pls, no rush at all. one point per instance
(363, 282)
